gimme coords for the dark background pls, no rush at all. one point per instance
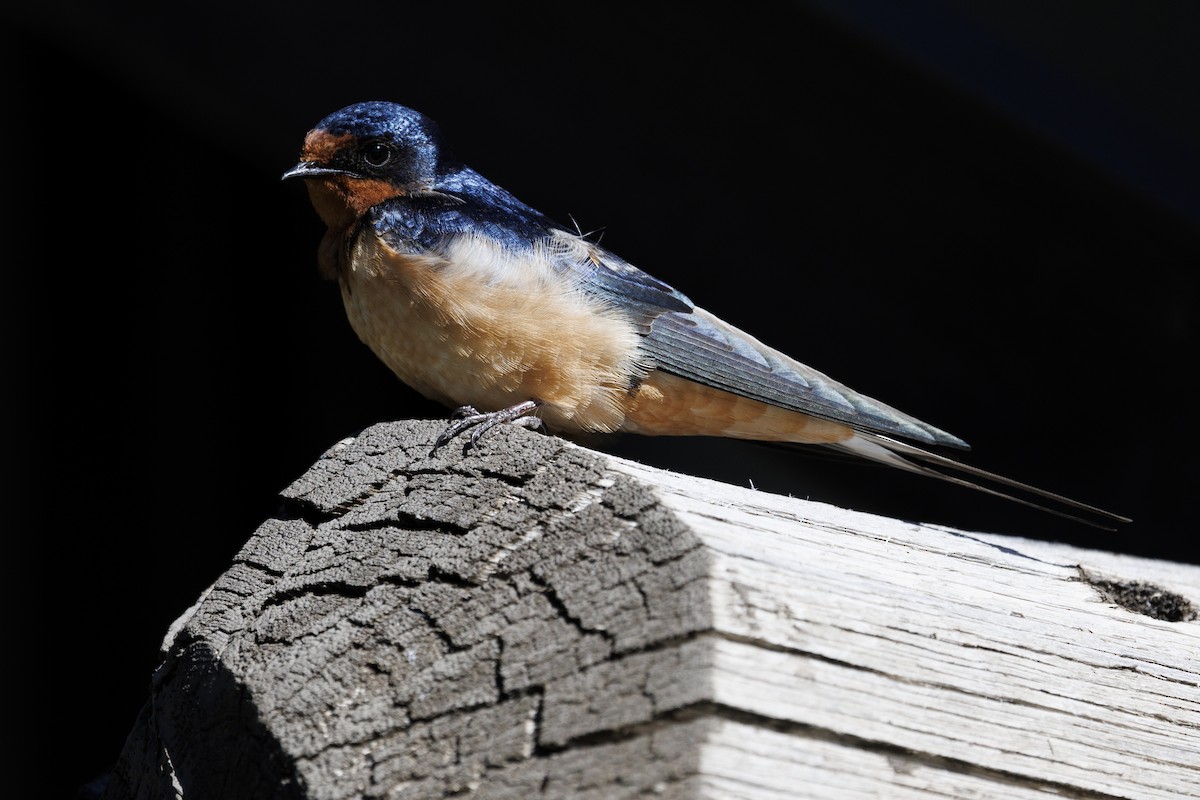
(985, 214)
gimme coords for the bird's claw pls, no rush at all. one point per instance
(464, 411)
(469, 417)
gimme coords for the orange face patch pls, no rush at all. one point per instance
(362, 193)
(321, 146)
(341, 199)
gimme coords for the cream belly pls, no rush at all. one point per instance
(478, 326)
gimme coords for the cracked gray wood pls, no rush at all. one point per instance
(535, 619)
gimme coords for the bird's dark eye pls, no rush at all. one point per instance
(377, 153)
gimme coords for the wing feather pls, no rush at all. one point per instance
(688, 341)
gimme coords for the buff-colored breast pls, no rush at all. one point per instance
(479, 326)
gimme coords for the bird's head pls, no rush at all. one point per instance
(364, 154)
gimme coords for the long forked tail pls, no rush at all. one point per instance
(895, 453)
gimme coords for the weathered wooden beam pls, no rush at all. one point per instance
(536, 619)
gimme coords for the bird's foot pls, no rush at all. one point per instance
(469, 417)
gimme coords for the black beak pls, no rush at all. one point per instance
(310, 169)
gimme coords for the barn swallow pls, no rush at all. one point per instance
(484, 304)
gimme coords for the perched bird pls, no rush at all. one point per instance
(482, 303)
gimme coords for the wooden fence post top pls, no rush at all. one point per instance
(535, 619)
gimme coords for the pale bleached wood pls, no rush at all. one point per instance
(750, 762)
(986, 651)
(536, 619)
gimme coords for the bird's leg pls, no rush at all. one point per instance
(470, 417)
